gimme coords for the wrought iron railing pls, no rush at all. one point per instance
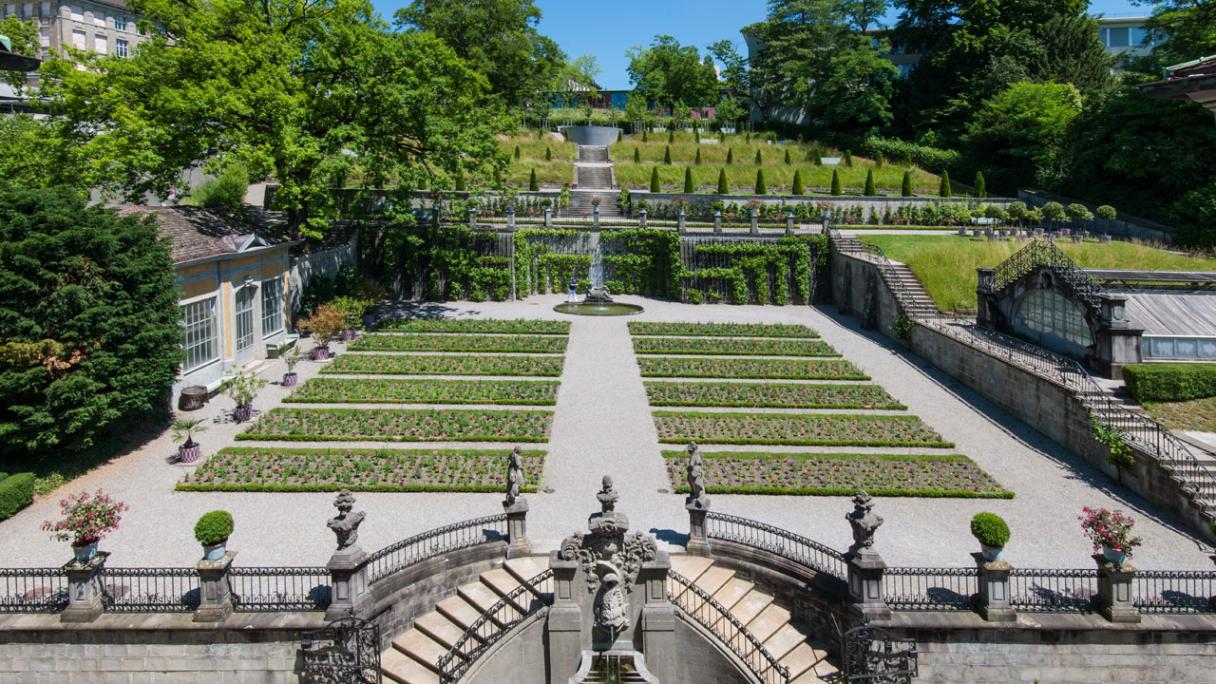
(265, 589)
(1052, 591)
(1044, 254)
(1175, 591)
(713, 616)
(149, 590)
(790, 546)
(520, 603)
(886, 270)
(930, 588)
(33, 590)
(433, 543)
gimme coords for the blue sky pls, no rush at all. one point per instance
(607, 30)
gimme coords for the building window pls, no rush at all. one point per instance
(28, 10)
(76, 14)
(1117, 37)
(78, 40)
(101, 44)
(120, 23)
(44, 37)
(46, 10)
(199, 334)
(1054, 321)
(244, 318)
(122, 48)
(272, 306)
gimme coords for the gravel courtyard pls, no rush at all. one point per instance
(603, 426)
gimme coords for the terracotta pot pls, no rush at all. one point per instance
(242, 414)
(291, 379)
(188, 454)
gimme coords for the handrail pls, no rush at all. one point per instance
(432, 543)
(726, 627)
(886, 270)
(801, 550)
(33, 590)
(1044, 253)
(492, 625)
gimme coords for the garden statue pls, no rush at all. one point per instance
(598, 295)
(863, 521)
(607, 496)
(696, 479)
(515, 478)
(611, 606)
(346, 524)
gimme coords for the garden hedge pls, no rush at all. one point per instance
(1170, 381)
(16, 492)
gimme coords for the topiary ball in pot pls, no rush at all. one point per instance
(212, 531)
(992, 532)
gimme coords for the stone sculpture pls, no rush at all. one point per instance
(598, 295)
(346, 524)
(607, 495)
(609, 543)
(515, 479)
(611, 606)
(864, 522)
(696, 479)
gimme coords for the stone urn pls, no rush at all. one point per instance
(188, 454)
(83, 553)
(1116, 557)
(346, 336)
(320, 354)
(242, 414)
(991, 553)
(291, 379)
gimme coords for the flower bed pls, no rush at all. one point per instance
(798, 429)
(503, 327)
(727, 346)
(460, 343)
(370, 364)
(780, 369)
(399, 425)
(721, 329)
(839, 474)
(769, 395)
(256, 469)
(398, 391)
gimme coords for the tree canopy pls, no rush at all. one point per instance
(671, 74)
(1018, 132)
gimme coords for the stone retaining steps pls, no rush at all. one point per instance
(595, 154)
(581, 205)
(593, 177)
(912, 294)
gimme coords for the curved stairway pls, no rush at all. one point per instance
(911, 293)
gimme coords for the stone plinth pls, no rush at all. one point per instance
(348, 581)
(658, 618)
(84, 589)
(698, 534)
(215, 594)
(564, 625)
(1114, 597)
(517, 528)
(865, 584)
(994, 590)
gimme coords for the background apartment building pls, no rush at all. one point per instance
(102, 26)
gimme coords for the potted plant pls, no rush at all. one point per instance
(992, 532)
(242, 389)
(212, 531)
(1109, 531)
(352, 309)
(87, 518)
(291, 358)
(184, 430)
(323, 326)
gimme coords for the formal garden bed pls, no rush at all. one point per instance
(838, 474)
(759, 369)
(399, 425)
(726, 346)
(401, 391)
(770, 395)
(371, 364)
(264, 469)
(482, 326)
(721, 329)
(528, 344)
(806, 429)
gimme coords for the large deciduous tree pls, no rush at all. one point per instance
(1185, 29)
(671, 74)
(1018, 132)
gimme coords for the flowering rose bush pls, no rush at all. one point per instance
(447, 364)
(732, 346)
(1109, 529)
(86, 518)
(531, 344)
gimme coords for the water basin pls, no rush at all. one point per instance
(598, 309)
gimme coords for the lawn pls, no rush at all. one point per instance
(399, 425)
(399, 391)
(838, 474)
(946, 264)
(264, 469)
(1198, 415)
(731, 346)
(770, 395)
(758, 369)
(530, 344)
(807, 429)
(445, 364)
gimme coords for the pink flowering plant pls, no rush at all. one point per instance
(1109, 529)
(86, 518)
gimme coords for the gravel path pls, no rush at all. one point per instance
(601, 426)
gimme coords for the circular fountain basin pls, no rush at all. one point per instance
(598, 309)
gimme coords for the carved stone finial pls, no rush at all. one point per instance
(607, 495)
(346, 524)
(696, 478)
(863, 521)
(515, 478)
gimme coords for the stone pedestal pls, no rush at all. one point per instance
(215, 594)
(983, 297)
(994, 590)
(658, 619)
(564, 624)
(865, 584)
(642, 218)
(84, 589)
(595, 216)
(680, 222)
(348, 583)
(698, 535)
(511, 218)
(755, 229)
(789, 224)
(548, 217)
(717, 222)
(517, 528)
(1114, 597)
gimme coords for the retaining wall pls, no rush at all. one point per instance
(326, 262)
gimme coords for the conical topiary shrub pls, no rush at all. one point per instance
(906, 188)
(667, 155)
(787, 156)
(645, 136)
(848, 158)
(460, 182)
(981, 186)
(870, 189)
(761, 189)
(698, 162)
(548, 154)
(723, 186)
(759, 158)
(688, 186)
(517, 152)
(836, 188)
(637, 155)
(798, 189)
(671, 135)
(943, 187)
(620, 135)
(654, 180)
(880, 160)
(730, 155)
(533, 184)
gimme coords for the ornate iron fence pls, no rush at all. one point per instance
(775, 540)
(149, 590)
(1052, 591)
(1175, 591)
(520, 603)
(1044, 254)
(712, 615)
(264, 589)
(433, 543)
(33, 590)
(930, 588)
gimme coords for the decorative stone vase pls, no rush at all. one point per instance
(214, 552)
(1116, 557)
(242, 414)
(320, 354)
(291, 379)
(991, 553)
(83, 553)
(188, 454)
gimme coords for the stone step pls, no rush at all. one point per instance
(802, 658)
(459, 611)
(751, 605)
(713, 579)
(421, 648)
(785, 639)
(440, 628)
(524, 569)
(690, 567)
(732, 592)
(769, 620)
(398, 667)
(483, 598)
(503, 583)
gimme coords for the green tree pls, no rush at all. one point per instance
(723, 185)
(761, 188)
(698, 160)
(880, 160)
(870, 189)
(654, 180)
(517, 152)
(734, 77)
(798, 188)
(1185, 29)
(1107, 212)
(730, 155)
(689, 188)
(635, 113)
(787, 156)
(533, 183)
(23, 40)
(1018, 134)
(943, 185)
(92, 330)
(672, 74)
(906, 187)
(1079, 212)
(759, 158)
(225, 192)
(637, 155)
(981, 186)
(1053, 211)
(729, 111)
(837, 189)
(548, 153)
(667, 155)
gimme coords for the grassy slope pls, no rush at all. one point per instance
(946, 264)
(1198, 415)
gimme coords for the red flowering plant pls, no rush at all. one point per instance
(1109, 529)
(86, 518)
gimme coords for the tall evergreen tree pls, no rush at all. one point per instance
(761, 188)
(943, 186)
(836, 187)
(723, 185)
(730, 155)
(533, 184)
(637, 155)
(798, 189)
(548, 153)
(870, 189)
(517, 152)
(759, 158)
(688, 186)
(906, 186)
(698, 161)
(654, 180)
(667, 155)
(981, 186)
(787, 156)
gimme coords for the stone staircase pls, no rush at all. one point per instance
(907, 287)
(595, 154)
(787, 641)
(593, 177)
(581, 204)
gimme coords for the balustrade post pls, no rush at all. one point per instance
(595, 216)
(987, 284)
(84, 588)
(517, 528)
(565, 622)
(994, 590)
(642, 218)
(658, 618)
(717, 221)
(755, 229)
(1114, 598)
(511, 217)
(865, 565)
(348, 564)
(789, 223)
(215, 594)
(680, 222)
(548, 217)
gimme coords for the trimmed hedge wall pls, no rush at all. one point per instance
(16, 492)
(1170, 381)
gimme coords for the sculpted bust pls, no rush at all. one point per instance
(346, 524)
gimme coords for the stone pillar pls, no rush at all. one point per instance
(595, 216)
(1114, 597)
(994, 589)
(642, 218)
(565, 622)
(717, 221)
(215, 595)
(511, 217)
(548, 216)
(680, 222)
(1116, 343)
(517, 528)
(983, 291)
(84, 589)
(658, 619)
(789, 223)
(865, 584)
(348, 583)
(698, 534)
(472, 217)
(755, 229)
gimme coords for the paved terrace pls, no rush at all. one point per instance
(603, 426)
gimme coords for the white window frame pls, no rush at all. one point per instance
(122, 48)
(272, 305)
(120, 23)
(244, 342)
(200, 340)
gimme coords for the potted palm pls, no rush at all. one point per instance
(184, 430)
(1110, 532)
(291, 358)
(242, 389)
(87, 518)
(323, 326)
(212, 531)
(993, 534)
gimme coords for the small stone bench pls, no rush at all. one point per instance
(276, 349)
